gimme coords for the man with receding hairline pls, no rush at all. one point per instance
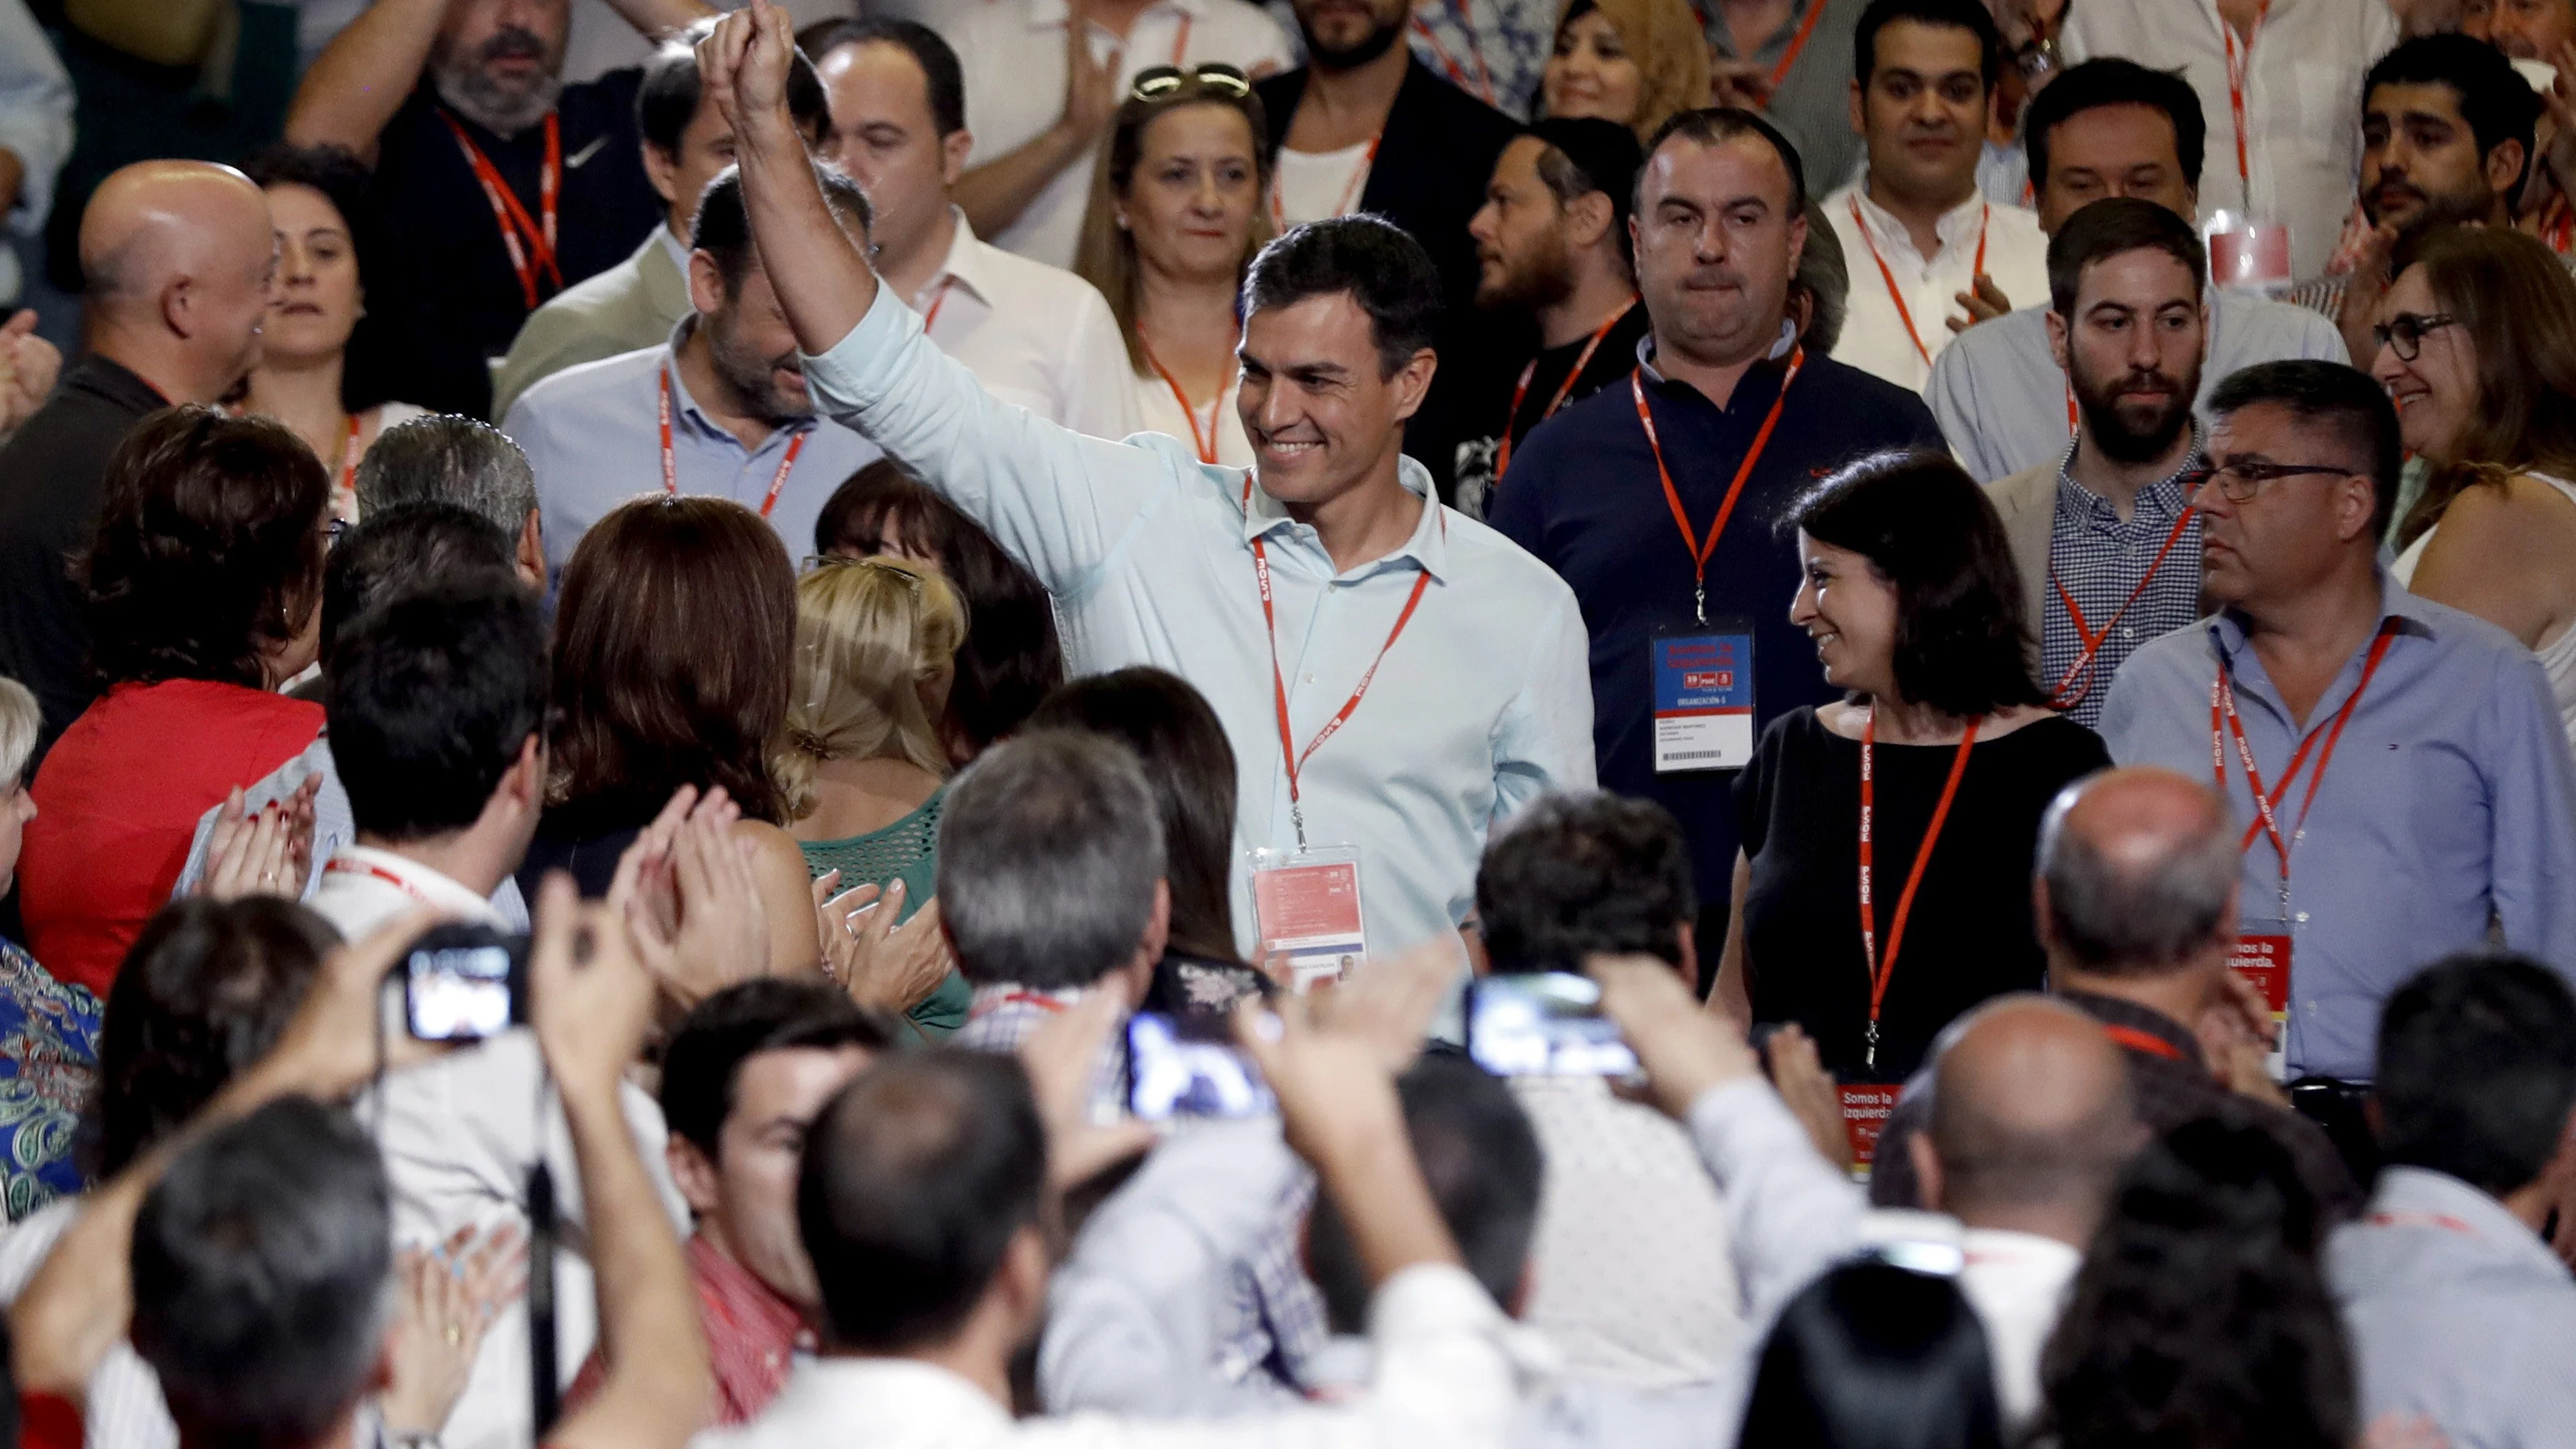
(179, 256)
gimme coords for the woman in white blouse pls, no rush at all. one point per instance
(1175, 218)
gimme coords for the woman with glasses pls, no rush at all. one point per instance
(322, 366)
(1635, 62)
(861, 762)
(1175, 218)
(1884, 883)
(2478, 350)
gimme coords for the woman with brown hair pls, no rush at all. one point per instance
(2477, 347)
(1636, 62)
(674, 641)
(1175, 218)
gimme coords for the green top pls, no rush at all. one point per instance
(907, 851)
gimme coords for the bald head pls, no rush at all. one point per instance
(2031, 1114)
(178, 256)
(2137, 873)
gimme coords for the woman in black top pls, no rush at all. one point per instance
(1911, 597)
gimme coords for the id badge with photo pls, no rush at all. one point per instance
(1307, 908)
(2264, 959)
(1703, 679)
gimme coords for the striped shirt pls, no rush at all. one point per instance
(2098, 559)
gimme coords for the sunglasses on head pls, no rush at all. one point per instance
(1155, 82)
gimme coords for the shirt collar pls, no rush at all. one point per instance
(1780, 348)
(965, 264)
(2411, 613)
(421, 882)
(753, 1307)
(1957, 227)
(2164, 498)
(1428, 548)
(2420, 1197)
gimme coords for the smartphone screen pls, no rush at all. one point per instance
(458, 992)
(1181, 1066)
(1545, 1024)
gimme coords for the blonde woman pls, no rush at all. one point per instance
(1636, 62)
(862, 765)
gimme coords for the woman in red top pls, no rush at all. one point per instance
(204, 589)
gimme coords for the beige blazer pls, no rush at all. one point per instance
(632, 305)
(2027, 501)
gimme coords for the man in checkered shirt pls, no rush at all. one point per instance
(2105, 540)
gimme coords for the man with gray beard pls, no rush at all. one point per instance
(721, 409)
(500, 184)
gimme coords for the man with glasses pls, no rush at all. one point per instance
(1032, 333)
(2105, 538)
(2415, 788)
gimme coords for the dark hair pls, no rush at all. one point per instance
(2114, 82)
(2492, 96)
(2200, 1316)
(704, 1058)
(1930, 532)
(1715, 126)
(666, 100)
(447, 458)
(722, 227)
(942, 78)
(1374, 262)
(916, 1178)
(2115, 226)
(436, 694)
(205, 992)
(1968, 15)
(263, 1275)
(373, 363)
(1011, 658)
(1576, 874)
(1480, 1157)
(2344, 398)
(1874, 1356)
(2477, 1070)
(209, 548)
(1049, 851)
(674, 639)
(1190, 767)
(1579, 155)
(401, 551)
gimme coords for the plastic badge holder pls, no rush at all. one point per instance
(1307, 906)
(2247, 255)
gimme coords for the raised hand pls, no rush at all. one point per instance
(1090, 86)
(449, 1297)
(1685, 1050)
(28, 366)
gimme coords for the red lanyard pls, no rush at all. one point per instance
(2222, 708)
(2558, 224)
(1483, 88)
(1181, 42)
(2083, 665)
(2444, 1221)
(1700, 549)
(344, 865)
(671, 472)
(1350, 190)
(1905, 314)
(1798, 42)
(938, 299)
(2143, 1041)
(1289, 754)
(1520, 389)
(1206, 445)
(2236, 62)
(1880, 974)
(531, 244)
(350, 453)
(2071, 423)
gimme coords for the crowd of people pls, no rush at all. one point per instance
(865, 729)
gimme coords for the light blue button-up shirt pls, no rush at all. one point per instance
(2450, 801)
(1483, 703)
(594, 437)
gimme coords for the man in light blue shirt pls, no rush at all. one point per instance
(721, 409)
(1431, 675)
(2418, 775)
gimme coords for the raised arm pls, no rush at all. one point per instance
(364, 75)
(996, 191)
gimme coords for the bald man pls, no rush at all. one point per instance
(2135, 894)
(179, 256)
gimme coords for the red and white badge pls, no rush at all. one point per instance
(2247, 255)
(2264, 960)
(1307, 907)
(1866, 1108)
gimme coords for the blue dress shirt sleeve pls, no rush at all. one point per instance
(1543, 741)
(2533, 803)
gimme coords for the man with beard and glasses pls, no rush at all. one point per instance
(2446, 139)
(720, 409)
(1655, 497)
(1552, 244)
(2105, 539)
(501, 185)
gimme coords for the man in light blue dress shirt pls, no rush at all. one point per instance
(1431, 674)
(2447, 800)
(740, 423)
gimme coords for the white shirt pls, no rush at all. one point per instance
(2017, 1283)
(1013, 54)
(1319, 185)
(124, 1408)
(363, 888)
(1898, 346)
(1035, 335)
(2303, 75)
(1161, 411)
(1485, 700)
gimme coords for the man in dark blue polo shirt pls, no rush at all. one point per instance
(1741, 420)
